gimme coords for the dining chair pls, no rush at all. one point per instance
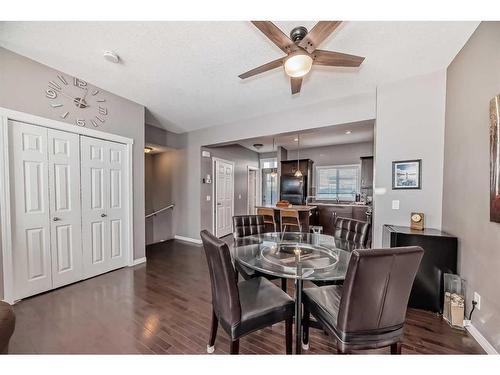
(244, 307)
(7, 325)
(352, 230)
(268, 214)
(290, 218)
(244, 226)
(369, 310)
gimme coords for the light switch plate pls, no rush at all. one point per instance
(395, 204)
(477, 298)
(209, 198)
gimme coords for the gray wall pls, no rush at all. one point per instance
(160, 192)
(22, 88)
(409, 125)
(161, 182)
(473, 79)
(335, 155)
(242, 158)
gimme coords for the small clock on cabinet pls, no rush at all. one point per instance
(417, 221)
(75, 98)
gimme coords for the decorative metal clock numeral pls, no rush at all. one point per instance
(75, 98)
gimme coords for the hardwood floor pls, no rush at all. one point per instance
(164, 307)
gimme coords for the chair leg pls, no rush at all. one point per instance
(234, 347)
(396, 348)
(341, 350)
(305, 328)
(289, 334)
(283, 284)
(213, 333)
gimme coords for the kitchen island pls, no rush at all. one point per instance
(306, 213)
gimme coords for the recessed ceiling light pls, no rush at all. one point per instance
(111, 56)
(348, 132)
(258, 146)
(296, 139)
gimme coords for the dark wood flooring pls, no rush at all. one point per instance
(164, 307)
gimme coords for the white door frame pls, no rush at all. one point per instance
(214, 179)
(257, 187)
(5, 196)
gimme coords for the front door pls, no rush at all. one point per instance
(224, 197)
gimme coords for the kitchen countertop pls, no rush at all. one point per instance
(340, 204)
(293, 207)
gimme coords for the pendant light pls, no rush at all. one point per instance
(298, 173)
(274, 173)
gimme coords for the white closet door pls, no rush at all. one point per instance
(30, 209)
(104, 205)
(65, 211)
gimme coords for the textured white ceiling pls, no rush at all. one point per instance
(186, 73)
(326, 136)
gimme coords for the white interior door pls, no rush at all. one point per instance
(224, 197)
(252, 191)
(65, 211)
(30, 209)
(104, 205)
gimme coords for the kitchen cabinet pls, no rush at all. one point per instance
(366, 172)
(324, 214)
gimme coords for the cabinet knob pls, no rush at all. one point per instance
(56, 219)
(103, 215)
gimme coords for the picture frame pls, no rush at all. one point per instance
(494, 159)
(407, 174)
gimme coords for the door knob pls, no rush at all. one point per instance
(56, 219)
(103, 215)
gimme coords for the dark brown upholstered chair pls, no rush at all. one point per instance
(248, 225)
(244, 307)
(353, 230)
(369, 310)
(7, 325)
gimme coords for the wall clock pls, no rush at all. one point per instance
(75, 98)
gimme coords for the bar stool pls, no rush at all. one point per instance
(268, 214)
(289, 218)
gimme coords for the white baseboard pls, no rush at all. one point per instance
(488, 348)
(139, 261)
(188, 239)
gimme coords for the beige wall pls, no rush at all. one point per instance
(22, 88)
(410, 125)
(473, 79)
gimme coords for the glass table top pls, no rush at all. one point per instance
(306, 256)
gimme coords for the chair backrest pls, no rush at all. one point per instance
(225, 296)
(267, 213)
(377, 288)
(353, 230)
(289, 217)
(248, 225)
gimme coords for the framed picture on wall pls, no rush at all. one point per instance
(494, 159)
(407, 174)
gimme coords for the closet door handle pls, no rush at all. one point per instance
(56, 219)
(103, 215)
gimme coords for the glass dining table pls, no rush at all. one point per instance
(298, 256)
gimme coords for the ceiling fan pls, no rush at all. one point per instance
(302, 52)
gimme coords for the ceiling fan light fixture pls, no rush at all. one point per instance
(298, 65)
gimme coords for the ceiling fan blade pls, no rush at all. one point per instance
(331, 58)
(319, 32)
(296, 84)
(277, 36)
(263, 68)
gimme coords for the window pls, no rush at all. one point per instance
(337, 182)
(269, 163)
